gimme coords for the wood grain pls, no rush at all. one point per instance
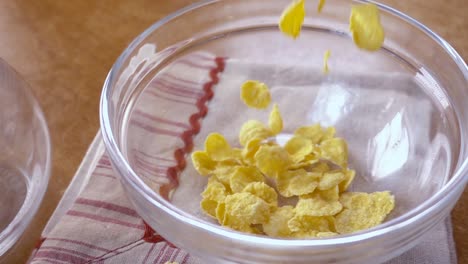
(64, 49)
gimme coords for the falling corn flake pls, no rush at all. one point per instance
(255, 94)
(292, 18)
(325, 61)
(217, 147)
(275, 121)
(298, 190)
(320, 6)
(365, 26)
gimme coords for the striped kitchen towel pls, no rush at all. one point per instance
(96, 223)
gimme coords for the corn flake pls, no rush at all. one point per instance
(217, 147)
(365, 26)
(250, 150)
(263, 191)
(315, 205)
(292, 18)
(242, 176)
(297, 182)
(298, 148)
(325, 61)
(362, 211)
(335, 150)
(275, 121)
(255, 94)
(349, 177)
(246, 207)
(330, 180)
(203, 163)
(272, 160)
(253, 129)
(214, 194)
(277, 225)
(306, 224)
(320, 5)
(314, 133)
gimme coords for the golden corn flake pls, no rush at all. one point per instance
(203, 163)
(255, 94)
(298, 148)
(320, 5)
(335, 150)
(325, 61)
(214, 194)
(330, 180)
(362, 211)
(315, 205)
(292, 18)
(247, 207)
(314, 133)
(250, 150)
(365, 27)
(330, 195)
(297, 182)
(263, 191)
(272, 160)
(253, 129)
(308, 224)
(217, 147)
(275, 121)
(242, 176)
(277, 224)
(349, 177)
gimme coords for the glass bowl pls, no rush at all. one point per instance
(401, 109)
(25, 157)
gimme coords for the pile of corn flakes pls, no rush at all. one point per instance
(249, 188)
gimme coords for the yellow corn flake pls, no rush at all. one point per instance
(255, 94)
(203, 163)
(297, 182)
(298, 148)
(329, 195)
(242, 176)
(275, 121)
(308, 224)
(209, 206)
(272, 160)
(263, 191)
(320, 5)
(330, 180)
(320, 167)
(250, 150)
(325, 61)
(362, 211)
(246, 207)
(217, 147)
(315, 205)
(349, 177)
(277, 225)
(365, 26)
(224, 170)
(251, 130)
(306, 163)
(292, 18)
(335, 150)
(214, 193)
(326, 234)
(314, 133)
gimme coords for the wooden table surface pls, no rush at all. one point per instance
(64, 49)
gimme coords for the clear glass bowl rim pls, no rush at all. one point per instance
(421, 213)
(32, 202)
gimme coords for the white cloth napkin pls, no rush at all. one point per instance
(95, 223)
